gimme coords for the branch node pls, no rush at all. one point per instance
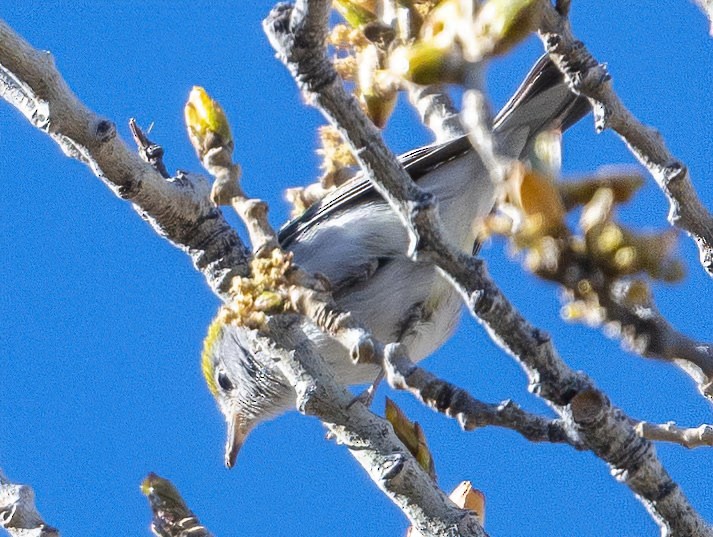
(393, 467)
(105, 131)
(674, 171)
(588, 406)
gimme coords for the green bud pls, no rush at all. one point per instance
(206, 122)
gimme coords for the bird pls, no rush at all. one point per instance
(354, 238)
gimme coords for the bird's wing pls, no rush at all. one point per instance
(542, 101)
(416, 163)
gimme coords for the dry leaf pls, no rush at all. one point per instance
(411, 434)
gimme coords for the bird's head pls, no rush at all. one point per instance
(243, 381)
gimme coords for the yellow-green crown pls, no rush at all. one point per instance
(207, 362)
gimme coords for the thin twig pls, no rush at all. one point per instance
(171, 515)
(149, 151)
(471, 413)
(436, 110)
(670, 432)
(591, 79)
(640, 326)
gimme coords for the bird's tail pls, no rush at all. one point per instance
(542, 102)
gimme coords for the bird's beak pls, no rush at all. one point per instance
(236, 437)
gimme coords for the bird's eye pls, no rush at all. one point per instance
(224, 382)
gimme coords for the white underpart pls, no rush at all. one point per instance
(464, 193)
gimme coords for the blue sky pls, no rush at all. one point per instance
(102, 320)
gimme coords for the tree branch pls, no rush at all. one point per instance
(18, 514)
(436, 110)
(304, 55)
(633, 461)
(471, 413)
(178, 209)
(638, 323)
(298, 36)
(591, 79)
(370, 439)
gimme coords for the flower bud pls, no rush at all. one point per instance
(207, 124)
(504, 23)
